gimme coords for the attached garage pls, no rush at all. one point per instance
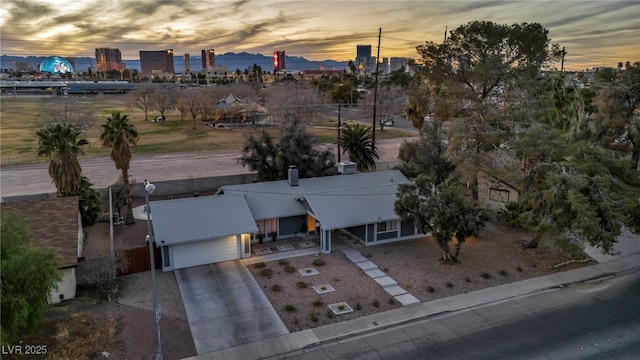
(202, 230)
(206, 252)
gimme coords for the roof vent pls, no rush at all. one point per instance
(346, 167)
(293, 176)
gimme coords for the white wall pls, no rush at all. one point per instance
(66, 286)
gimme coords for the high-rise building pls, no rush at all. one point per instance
(397, 63)
(363, 56)
(187, 63)
(152, 62)
(109, 59)
(278, 61)
(208, 59)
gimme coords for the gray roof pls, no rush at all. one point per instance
(200, 218)
(276, 199)
(353, 207)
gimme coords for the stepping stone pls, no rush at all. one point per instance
(306, 244)
(263, 251)
(367, 265)
(407, 299)
(286, 247)
(395, 290)
(375, 273)
(385, 281)
(354, 255)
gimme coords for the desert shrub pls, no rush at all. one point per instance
(260, 265)
(467, 279)
(318, 262)
(519, 268)
(485, 275)
(358, 306)
(317, 303)
(330, 314)
(314, 317)
(283, 262)
(448, 284)
(392, 301)
(376, 303)
(430, 289)
(290, 269)
(302, 285)
(266, 272)
(341, 306)
(503, 272)
(289, 308)
(276, 287)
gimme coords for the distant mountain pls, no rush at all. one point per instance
(233, 61)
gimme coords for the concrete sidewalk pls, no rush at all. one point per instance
(298, 341)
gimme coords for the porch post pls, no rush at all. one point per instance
(325, 241)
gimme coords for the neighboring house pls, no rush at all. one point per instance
(202, 230)
(55, 223)
(494, 193)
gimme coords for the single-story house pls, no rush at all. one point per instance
(495, 193)
(209, 229)
(56, 223)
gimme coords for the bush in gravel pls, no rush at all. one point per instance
(330, 314)
(302, 285)
(276, 287)
(318, 262)
(376, 303)
(260, 265)
(430, 289)
(290, 269)
(503, 272)
(392, 301)
(283, 262)
(317, 303)
(289, 308)
(485, 276)
(358, 307)
(519, 268)
(314, 317)
(266, 272)
(467, 279)
(449, 285)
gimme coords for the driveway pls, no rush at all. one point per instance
(226, 307)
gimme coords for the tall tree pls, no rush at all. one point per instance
(296, 147)
(120, 135)
(441, 210)
(425, 156)
(28, 275)
(163, 100)
(390, 102)
(357, 141)
(90, 202)
(294, 103)
(141, 99)
(61, 143)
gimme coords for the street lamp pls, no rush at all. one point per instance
(149, 188)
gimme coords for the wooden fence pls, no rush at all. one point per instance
(131, 261)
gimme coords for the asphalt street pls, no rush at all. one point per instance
(594, 320)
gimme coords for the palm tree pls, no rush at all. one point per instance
(356, 140)
(59, 142)
(120, 135)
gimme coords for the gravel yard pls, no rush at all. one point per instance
(496, 257)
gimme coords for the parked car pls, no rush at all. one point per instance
(389, 123)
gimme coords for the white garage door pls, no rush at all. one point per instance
(206, 252)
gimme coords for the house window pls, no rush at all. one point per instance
(499, 195)
(387, 226)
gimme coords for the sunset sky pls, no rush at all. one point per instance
(595, 33)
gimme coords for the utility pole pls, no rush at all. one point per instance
(339, 126)
(564, 52)
(375, 91)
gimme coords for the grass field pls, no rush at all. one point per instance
(22, 116)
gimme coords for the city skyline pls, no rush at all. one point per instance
(594, 33)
